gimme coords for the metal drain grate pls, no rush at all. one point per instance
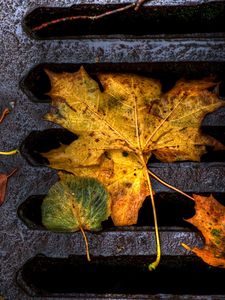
(36, 263)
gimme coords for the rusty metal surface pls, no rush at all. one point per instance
(18, 54)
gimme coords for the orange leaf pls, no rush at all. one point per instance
(3, 183)
(210, 220)
(4, 114)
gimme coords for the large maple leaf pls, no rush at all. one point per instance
(210, 220)
(121, 127)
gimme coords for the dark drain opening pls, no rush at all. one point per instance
(150, 19)
(172, 209)
(42, 276)
(38, 142)
(36, 83)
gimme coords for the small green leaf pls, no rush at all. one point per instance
(74, 203)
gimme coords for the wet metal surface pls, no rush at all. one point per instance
(18, 54)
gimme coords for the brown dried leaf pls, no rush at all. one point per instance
(3, 183)
(210, 220)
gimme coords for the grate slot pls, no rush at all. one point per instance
(43, 276)
(38, 142)
(198, 17)
(172, 209)
(36, 83)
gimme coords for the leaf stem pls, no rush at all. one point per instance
(12, 173)
(9, 152)
(169, 186)
(152, 266)
(86, 243)
(186, 247)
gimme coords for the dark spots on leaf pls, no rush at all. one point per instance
(92, 134)
(125, 153)
(97, 140)
(107, 155)
(135, 174)
(216, 232)
(128, 184)
(85, 110)
(89, 155)
(113, 102)
(119, 193)
(124, 172)
(218, 242)
(92, 90)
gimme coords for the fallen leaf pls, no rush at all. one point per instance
(75, 203)
(3, 183)
(5, 112)
(209, 218)
(121, 127)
